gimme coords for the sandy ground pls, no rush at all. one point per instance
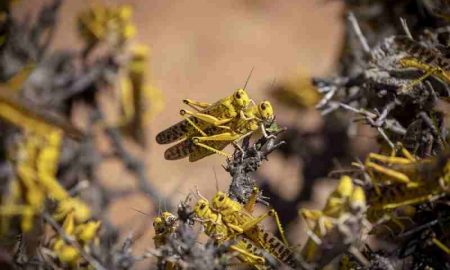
(203, 50)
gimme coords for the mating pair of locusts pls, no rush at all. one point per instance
(226, 219)
(401, 185)
(211, 127)
(402, 182)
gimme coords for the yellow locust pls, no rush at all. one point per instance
(201, 143)
(344, 203)
(422, 58)
(240, 221)
(247, 251)
(213, 116)
(164, 225)
(400, 183)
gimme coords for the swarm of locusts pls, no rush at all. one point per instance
(388, 209)
(48, 219)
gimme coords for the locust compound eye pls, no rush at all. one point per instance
(221, 198)
(238, 95)
(263, 106)
(202, 206)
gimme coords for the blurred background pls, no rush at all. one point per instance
(204, 50)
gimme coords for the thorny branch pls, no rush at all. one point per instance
(243, 164)
(135, 166)
(390, 80)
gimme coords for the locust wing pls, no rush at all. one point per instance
(195, 152)
(178, 131)
(184, 129)
(274, 246)
(188, 148)
(180, 150)
(201, 152)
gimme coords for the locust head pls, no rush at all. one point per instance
(163, 222)
(241, 98)
(265, 112)
(202, 209)
(169, 218)
(219, 201)
(158, 225)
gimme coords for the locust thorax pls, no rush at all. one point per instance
(222, 202)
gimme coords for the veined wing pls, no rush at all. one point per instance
(274, 246)
(195, 152)
(178, 131)
(184, 129)
(180, 150)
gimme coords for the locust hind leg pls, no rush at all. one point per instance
(393, 174)
(391, 159)
(272, 213)
(207, 118)
(247, 256)
(204, 117)
(196, 105)
(406, 153)
(212, 149)
(227, 136)
(441, 245)
(417, 200)
(429, 70)
(182, 113)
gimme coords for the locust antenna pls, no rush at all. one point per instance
(272, 83)
(248, 77)
(217, 181)
(139, 211)
(194, 193)
(159, 206)
(200, 195)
